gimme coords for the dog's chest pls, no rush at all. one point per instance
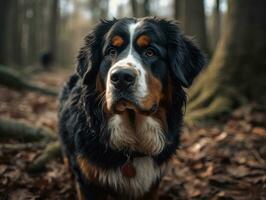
(147, 137)
(147, 173)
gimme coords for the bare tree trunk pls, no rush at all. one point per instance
(5, 7)
(54, 21)
(42, 16)
(140, 9)
(99, 9)
(104, 8)
(134, 7)
(179, 10)
(17, 22)
(215, 25)
(194, 22)
(32, 39)
(237, 72)
(146, 6)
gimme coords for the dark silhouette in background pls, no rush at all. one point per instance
(47, 60)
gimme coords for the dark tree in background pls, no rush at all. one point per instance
(237, 71)
(54, 25)
(134, 5)
(140, 8)
(180, 11)
(5, 8)
(33, 8)
(215, 28)
(192, 17)
(17, 20)
(98, 9)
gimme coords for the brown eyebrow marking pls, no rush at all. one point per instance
(143, 41)
(117, 41)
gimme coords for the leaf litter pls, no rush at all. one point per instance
(226, 160)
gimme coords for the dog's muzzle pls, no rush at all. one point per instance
(126, 89)
(123, 81)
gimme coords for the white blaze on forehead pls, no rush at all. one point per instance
(132, 28)
(142, 88)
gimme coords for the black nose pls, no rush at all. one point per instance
(123, 78)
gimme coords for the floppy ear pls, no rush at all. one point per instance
(89, 57)
(186, 59)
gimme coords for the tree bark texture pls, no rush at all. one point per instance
(237, 72)
(195, 23)
(215, 25)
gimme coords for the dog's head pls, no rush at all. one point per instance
(136, 63)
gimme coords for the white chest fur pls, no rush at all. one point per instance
(147, 172)
(147, 137)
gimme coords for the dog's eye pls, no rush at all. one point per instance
(149, 52)
(112, 52)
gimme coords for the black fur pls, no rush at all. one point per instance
(82, 121)
(186, 59)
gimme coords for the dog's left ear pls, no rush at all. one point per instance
(186, 59)
(89, 57)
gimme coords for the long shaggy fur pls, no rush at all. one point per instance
(98, 142)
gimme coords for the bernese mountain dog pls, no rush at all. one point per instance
(121, 112)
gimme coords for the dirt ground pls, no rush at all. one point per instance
(224, 160)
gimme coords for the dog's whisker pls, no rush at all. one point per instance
(100, 98)
(101, 101)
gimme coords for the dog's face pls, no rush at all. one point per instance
(132, 73)
(137, 61)
(134, 66)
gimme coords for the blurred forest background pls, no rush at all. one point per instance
(223, 151)
(31, 28)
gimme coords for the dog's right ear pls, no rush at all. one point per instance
(89, 57)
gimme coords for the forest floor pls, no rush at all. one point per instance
(225, 160)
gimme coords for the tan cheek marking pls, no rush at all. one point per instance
(88, 170)
(143, 41)
(80, 194)
(155, 92)
(160, 115)
(99, 85)
(117, 41)
(67, 163)
(102, 93)
(167, 98)
(130, 64)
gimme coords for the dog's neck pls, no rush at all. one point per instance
(167, 121)
(134, 132)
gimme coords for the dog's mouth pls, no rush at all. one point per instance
(123, 104)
